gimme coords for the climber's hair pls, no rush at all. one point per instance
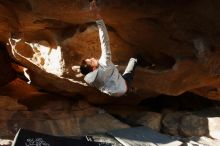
(85, 68)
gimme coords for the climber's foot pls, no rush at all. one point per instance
(142, 62)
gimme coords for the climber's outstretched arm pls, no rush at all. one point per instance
(105, 58)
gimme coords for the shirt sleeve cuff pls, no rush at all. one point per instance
(99, 21)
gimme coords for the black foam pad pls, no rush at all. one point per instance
(31, 138)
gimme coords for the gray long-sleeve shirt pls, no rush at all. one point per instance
(106, 77)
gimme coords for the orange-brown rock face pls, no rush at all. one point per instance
(6, 71)
(180, 39)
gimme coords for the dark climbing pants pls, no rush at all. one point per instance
(128, 74)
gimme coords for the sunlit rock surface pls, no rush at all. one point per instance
(178, 38)
(40, 41)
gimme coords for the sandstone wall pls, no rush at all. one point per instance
(180, 39)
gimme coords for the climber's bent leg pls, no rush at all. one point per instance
(129, 71)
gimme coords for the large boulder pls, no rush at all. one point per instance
(54, 114)
(148, 119)
(179, 38)
(24, 106)
(191, 125)
(170, 123)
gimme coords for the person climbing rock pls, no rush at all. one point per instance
(102, 73)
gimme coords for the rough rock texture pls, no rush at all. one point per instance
(27, 107)
(178, 123)
(46, 38)
(52, 114)
(170, 123)
(7, 74)
(148, 119)
(179, 38)
(198, 125)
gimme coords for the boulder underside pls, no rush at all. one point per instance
(179, 40)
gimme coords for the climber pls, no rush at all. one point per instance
(102, 73)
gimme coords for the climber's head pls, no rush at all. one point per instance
(88, 65)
